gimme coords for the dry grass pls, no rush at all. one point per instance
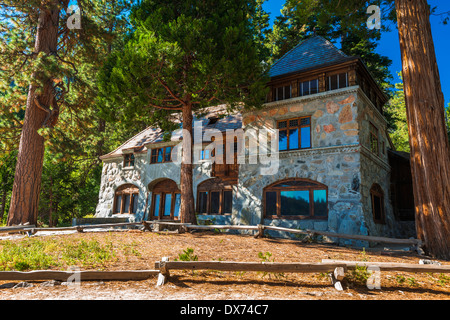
(139, 250)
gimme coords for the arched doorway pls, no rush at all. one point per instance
(165, 199)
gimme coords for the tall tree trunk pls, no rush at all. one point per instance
(430, 154)
(187, 209)
(27, 179)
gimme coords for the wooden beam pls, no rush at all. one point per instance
(83, 275)
(16, 228)
(392, 266)
(293, 267)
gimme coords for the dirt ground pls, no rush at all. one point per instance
(136, 250)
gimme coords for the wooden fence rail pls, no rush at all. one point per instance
(121, 275)
(335, 268)
(415, 243)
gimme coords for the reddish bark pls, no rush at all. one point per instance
(187, 208)
(430, 155)
(27, 179)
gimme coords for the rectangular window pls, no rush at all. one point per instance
(271, 203)
(294, 134)
(337, 81)
(156, 205)
(176, 210)
(282, 93)
(167, 154)
(215, 202)
(373, 139)
(161, 155)
(135, 198)
(293, 139)
(306, 88)
(320, 203)
(305, 133)
(227, 202)
(296, 199)
(205, 154)
(126, 200)
(118, 206)
(203, 202)
(128, 160)
(167, 204)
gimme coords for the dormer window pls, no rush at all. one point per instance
(337, 81)
(128, 160)
(282, 93)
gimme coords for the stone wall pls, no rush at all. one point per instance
(333, 160)
(142, 174)
(339, 158)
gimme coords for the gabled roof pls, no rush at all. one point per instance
(309, 54)
(150, 135)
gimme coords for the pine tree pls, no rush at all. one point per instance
(49, 78)
(184, 56)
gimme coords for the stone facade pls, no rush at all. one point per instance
(344, 119)
(339, 158)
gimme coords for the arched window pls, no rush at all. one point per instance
(214, 196)
(296, 199)
(126, 199)
(165, 201)
(377, 199)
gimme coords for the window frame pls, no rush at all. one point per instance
(314, 186)
(275, 92)
(210, 186)
(374, 138)
(122, 191)
(162, 189)
(300, 87)
(338, 74)
(162, 205)
(377, 191)
(221, 201)
(164, 154)
(128, 160)
(299, 127)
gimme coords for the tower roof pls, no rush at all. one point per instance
(309, 54)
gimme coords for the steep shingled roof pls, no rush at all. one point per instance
(154, 135)
(308, 54)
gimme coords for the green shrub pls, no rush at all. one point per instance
(187, 255)
(31, 254)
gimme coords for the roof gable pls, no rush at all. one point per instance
(308, 54)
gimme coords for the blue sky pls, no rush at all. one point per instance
(389, 44)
